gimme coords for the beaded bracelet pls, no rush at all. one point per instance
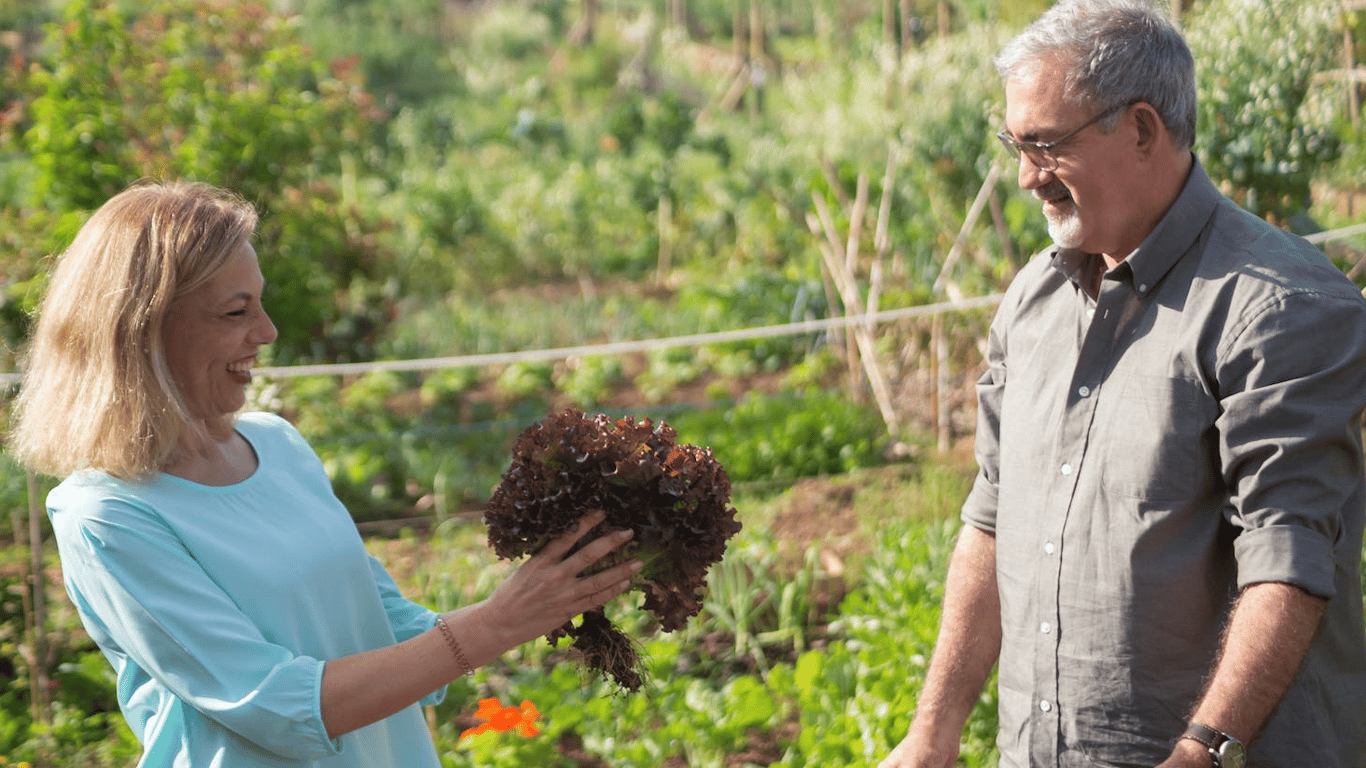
(446, 632)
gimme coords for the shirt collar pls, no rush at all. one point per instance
(1169, 240)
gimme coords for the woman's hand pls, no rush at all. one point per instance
(546, 591)
(541, 595)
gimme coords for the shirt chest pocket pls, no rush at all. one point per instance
(1157, 439)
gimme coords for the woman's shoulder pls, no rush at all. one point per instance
(264, 422)
(90, 496)
(262, 428)
(278, 443)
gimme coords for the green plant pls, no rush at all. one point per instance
(856, 697)
(525, 380)
(588, 381)
(791, 436)
(750, 600)
(1255, 64)
(205, 90)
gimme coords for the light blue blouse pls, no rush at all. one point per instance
(219, 606)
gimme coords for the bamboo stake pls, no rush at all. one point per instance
(1349, 61)
(904, 38)
(37, 671)
(881, 236)
(943, 428)
(856, 215)
(832, 296)
(882, 240)
(730, 89)
(998, 219)
(833, 179)
(756, 59)
(844, 281)
(832, 249)
(942, 282)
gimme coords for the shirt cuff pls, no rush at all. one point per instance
(334, 743)
(1286, 554)
(979, 510)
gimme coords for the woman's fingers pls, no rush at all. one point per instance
(604, 586)
(548, 589)
(558, 546)
(596, 550)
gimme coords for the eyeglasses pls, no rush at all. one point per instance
(1041, 152)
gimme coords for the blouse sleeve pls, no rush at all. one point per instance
(409, 619)
(141, 594)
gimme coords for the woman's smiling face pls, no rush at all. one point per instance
(212, 335)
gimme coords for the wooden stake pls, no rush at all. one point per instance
(848, 288)
(37, 625)
(942, 283)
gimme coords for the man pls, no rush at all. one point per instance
(1163, 545)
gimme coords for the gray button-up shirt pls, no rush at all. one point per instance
(1193, 430)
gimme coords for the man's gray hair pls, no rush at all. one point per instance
(1115, 52)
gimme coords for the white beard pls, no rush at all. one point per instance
(1065, 229)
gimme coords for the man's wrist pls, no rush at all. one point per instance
(1224, 750)
(1188, 754)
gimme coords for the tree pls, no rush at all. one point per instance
(213, 91)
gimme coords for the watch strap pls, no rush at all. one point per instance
(1210, 738)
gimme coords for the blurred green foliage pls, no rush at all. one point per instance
(212, 91)
(1256, 61)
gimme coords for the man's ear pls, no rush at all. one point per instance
(1150, 127)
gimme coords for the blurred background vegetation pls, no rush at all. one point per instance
(455, 177)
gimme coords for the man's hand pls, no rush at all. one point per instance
(914, 752)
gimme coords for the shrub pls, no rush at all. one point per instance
(1255, 63)
(787, 437)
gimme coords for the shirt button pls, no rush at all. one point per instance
(1066, 469)
(1084, 391)
(1142, 287)
(1045, 627)
(1048, 547)
(1045, 706)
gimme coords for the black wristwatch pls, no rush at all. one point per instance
(1224, 750)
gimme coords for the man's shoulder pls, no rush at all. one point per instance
(1264, 259)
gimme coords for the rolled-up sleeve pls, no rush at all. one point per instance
(979, 510)
(1291, 380)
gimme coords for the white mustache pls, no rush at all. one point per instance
(1051, 191)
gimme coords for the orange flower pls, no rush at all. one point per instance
(502, 719)
(527, 725)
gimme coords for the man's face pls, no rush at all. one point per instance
(1085, 198)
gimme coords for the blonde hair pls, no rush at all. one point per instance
(97, 392)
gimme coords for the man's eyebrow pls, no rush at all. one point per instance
(1028, 136)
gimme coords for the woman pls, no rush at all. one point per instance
(206, 553)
